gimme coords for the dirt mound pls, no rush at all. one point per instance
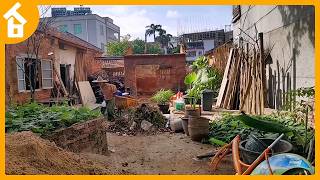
(27, 153)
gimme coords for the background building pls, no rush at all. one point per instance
(199, 43)
(85, 25)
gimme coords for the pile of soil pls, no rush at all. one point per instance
(130, 123)
(27, 153)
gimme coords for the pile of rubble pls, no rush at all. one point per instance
(145, 119)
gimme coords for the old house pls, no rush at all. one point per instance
(288, 42)
(61, 58)
(146, 74)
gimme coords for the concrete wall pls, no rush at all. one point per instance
(289, 36)
(67, 56)
(146, 74)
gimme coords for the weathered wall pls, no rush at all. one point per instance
(49, 44)
(145, 74)
(67, 56)
(89, 136)
(12, 93)
(289, 35)
(99, 64)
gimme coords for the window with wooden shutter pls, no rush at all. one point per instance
(47, 74)
(20, 74)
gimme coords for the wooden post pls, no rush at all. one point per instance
(263, 70)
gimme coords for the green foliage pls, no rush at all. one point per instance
(203, 77)
(226, 128)
(162, 96)
(190, 78)
(118, 48)
(138, 46)
(154, 48)
(199, 63)
(42, 119)
(301, 108)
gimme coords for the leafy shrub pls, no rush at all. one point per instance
(42, 119)
(162, 96)
(203, 77)
(226, 128)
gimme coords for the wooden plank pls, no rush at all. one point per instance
(225, 103)
(224, 80)
(86, 93)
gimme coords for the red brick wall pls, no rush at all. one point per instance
(89, 136)
(145, 74)
(96, 65)
(47, 45)
(92, 65)
(13, 50)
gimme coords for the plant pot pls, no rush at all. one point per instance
(207, 100)
(185, 123)
(198, 128)
(176, 124)
(192, 112)
(164, 108)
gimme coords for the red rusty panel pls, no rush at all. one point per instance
(146, 85)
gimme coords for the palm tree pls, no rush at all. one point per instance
(164, 39)
(151, 30)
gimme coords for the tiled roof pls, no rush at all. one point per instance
(72, 39)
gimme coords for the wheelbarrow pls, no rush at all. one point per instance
(263, 164)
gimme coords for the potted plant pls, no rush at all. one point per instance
(192, 95)
(162, 98)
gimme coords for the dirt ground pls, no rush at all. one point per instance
(163, 153)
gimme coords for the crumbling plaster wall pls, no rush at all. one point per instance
(289, 35)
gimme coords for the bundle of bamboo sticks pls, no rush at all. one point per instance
(242, 85)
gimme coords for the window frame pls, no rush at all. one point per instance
(64, 29)
(22, 69)
(42, 73)
(23, 72)
(77, 29)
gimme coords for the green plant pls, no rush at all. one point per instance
(228, 126)
(162, 96)
(301, 108)
(42, 119)
(199, 63)
(203, 77)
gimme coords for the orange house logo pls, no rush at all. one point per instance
(15, 22)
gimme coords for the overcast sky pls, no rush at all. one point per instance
(175, 19)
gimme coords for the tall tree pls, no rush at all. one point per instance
(118, 48)
(164, 39)
(152, 29)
